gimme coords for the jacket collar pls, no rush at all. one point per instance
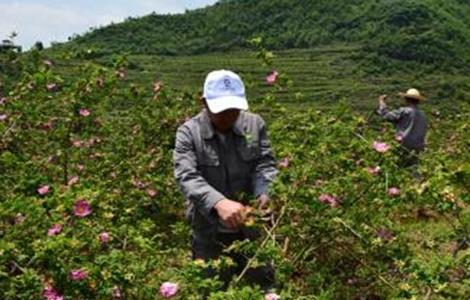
(208, 131)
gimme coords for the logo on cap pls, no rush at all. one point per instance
(228, 84)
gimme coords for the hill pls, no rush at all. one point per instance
(426, 31)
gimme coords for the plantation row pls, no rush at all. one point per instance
(90, 210)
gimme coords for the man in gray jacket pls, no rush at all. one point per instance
(410, 122)
(220, 153)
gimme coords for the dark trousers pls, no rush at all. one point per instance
(410, 161)
(211, 245)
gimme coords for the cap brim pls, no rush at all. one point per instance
(405, 95)
(223, 103)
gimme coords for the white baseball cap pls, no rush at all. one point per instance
(224, 90)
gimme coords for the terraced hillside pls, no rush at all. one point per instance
(320, 75)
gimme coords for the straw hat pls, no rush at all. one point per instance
(412, 94)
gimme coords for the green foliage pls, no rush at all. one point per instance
(99, 136)
(427, 31)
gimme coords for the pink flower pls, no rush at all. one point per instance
(48, 63)
(399, 136)
(272, 78)
(3, 117)
(104, 237)
(329, 199)
(81, 208)
(43, 190)
(54, 230)
(78, 274)
(84, 112)
(47, 125)
(3, 100)
(138, 184)
(80, 167)
(157, 86)
(120, 74)
(393, 192)
(152, 193)
(168, 289)
(99, 82)
(384, 234)
(272, 296)
(51, 87)
(373, 170)
(74, 180)
(117, 294)
(19, 218)
(380, 147)
(77, 143)
(49, 293)
(284, 163)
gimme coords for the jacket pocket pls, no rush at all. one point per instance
(249, 152)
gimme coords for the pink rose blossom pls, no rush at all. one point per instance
(19, 218)
(272, 296)
(138, 184)
(329, 199)
(74, 180)
(104, 237)
(120, 74)
(49, 293)
(84, 112)
(374, 170)
(78, 274)
(117, 294)
(393, 192)
(99, 82)
(51, 87)
(77, 143)
(384, 234)
(82, 208)
(47, 125)
(80, 167)
(151, 193)
(54, 230)
(157, 86)
(3, 100)
(48, 63)
(399, 136)
(43, 190)
(3, 117)
(381, 147)
(284, 163)
(272, 78)
(168, 289)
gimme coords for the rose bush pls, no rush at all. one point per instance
(89, 208)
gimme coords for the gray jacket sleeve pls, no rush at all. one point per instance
(193, 186)
(265, 169)
(390, 115)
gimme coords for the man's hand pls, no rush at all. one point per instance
(382, 99)
(262, 201)
(231, 213)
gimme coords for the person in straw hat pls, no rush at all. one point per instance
(411, 124)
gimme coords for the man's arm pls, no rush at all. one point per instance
(193, 186)
(389, 115)
(196, 189)
(265, 170)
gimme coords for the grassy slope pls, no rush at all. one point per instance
(321, 75)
